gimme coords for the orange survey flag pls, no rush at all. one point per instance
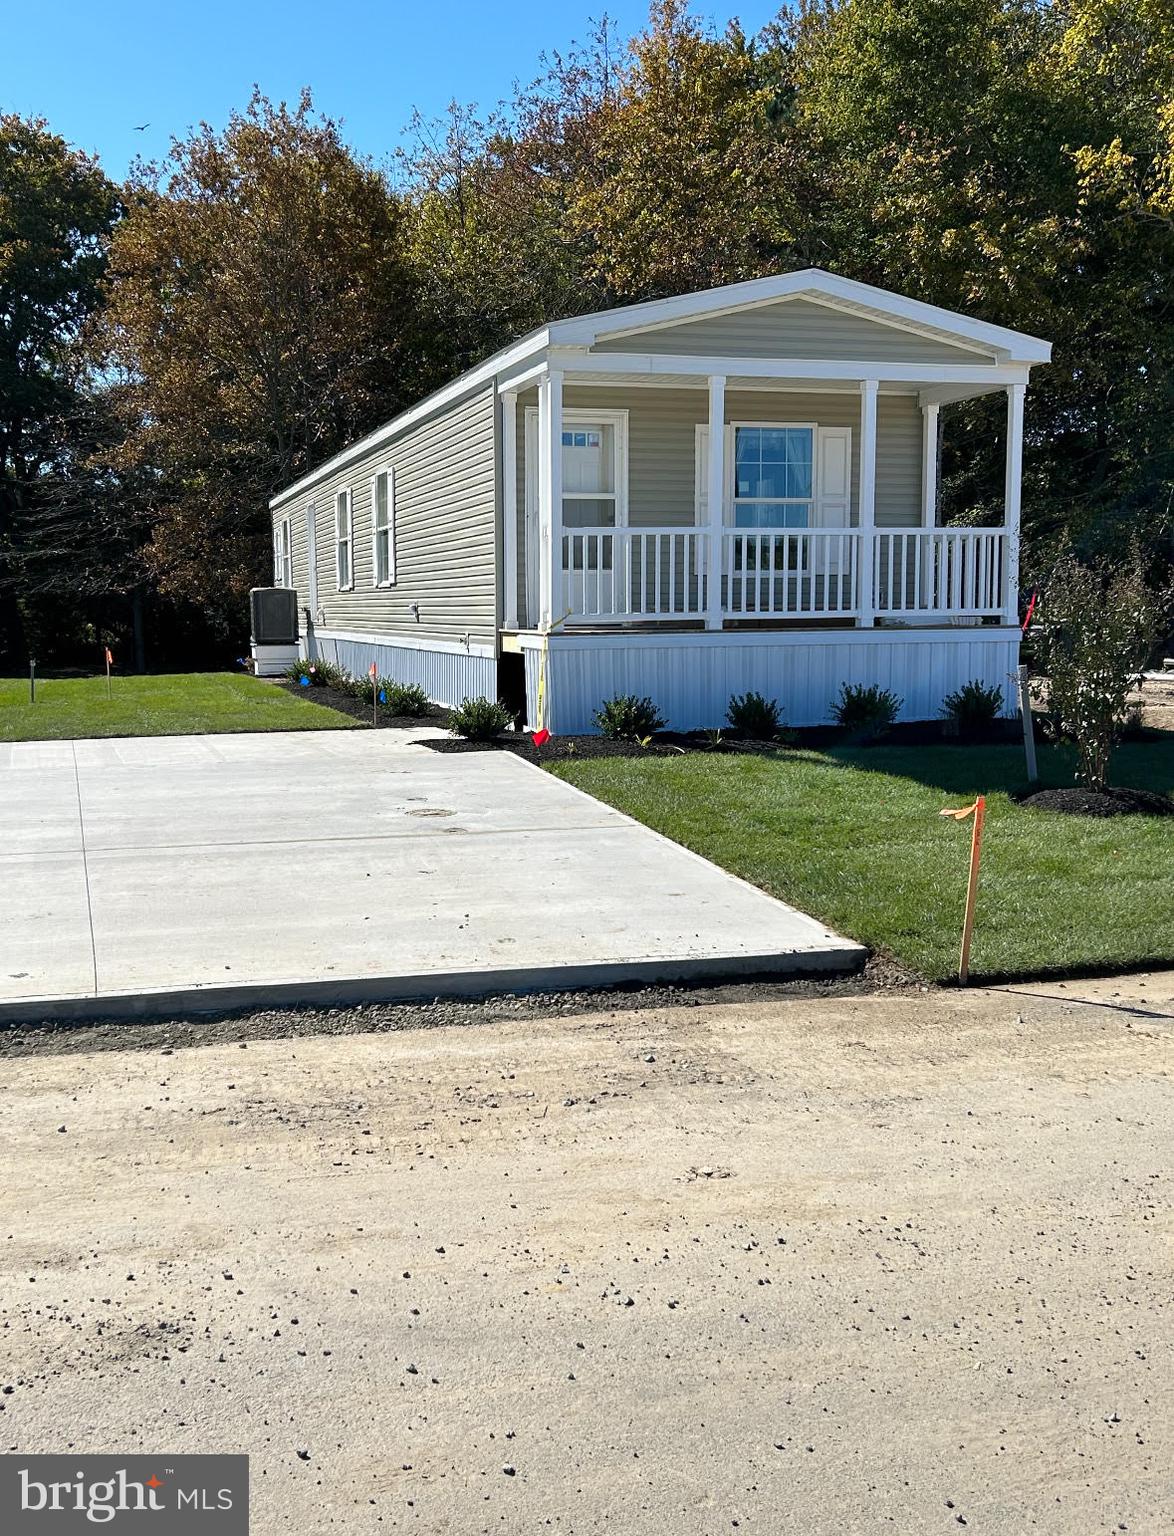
(109, 658)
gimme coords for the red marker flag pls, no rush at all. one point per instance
(371, 673)
(109, 658)
(540, 738)
(1030, 611)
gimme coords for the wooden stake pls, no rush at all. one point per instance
(32, 680)
(971, 889)
(1028, 725)
(978, 811)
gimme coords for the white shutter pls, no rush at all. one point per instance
(701, 474)
(391, 526)
(833, 481)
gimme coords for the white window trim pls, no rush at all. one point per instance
(582, 416)
(282, 554)
(728, 498)
(388, 471)
(348, 539)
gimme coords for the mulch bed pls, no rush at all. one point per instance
(360, 709)
(677, 743)
(1092, 802)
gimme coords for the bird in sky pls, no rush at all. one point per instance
(141, 127)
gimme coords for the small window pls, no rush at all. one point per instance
(342, 541)
(383, 528)
(282, 555)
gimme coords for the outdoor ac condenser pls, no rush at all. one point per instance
(274, 615)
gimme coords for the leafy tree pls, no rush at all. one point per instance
(56, 213)
(1099, 624)
(259, 315)
(693, 180)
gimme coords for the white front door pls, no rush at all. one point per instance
(594, 474)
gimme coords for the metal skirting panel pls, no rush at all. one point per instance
(447, 677)
(690, 677)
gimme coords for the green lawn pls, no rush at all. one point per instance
(854, 837)
(183, 704)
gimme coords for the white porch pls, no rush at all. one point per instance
(793, 542)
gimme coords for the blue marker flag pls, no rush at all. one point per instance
(303, 682)
(382, 697)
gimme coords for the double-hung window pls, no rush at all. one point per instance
(774, 474)
(282, 555)
(343, 567)
(383, 529)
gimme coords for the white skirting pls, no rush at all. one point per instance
(691, 675)
(448, 673)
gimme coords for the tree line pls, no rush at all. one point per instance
(176, 348)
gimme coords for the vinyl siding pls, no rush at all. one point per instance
(794, 328)
(445, 539)
(661, 439)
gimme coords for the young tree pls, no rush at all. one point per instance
(1098, 624)
(259, 311)
(56, 213)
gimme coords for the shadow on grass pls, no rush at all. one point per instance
(984, 770)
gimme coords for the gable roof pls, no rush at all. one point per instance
(813, 283)
(585, 331)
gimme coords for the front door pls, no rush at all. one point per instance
(593, 467)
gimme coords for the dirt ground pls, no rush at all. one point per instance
(846, 1264)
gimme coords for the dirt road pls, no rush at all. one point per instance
(847, 1265)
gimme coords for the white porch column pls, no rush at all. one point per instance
(509, 507)
(550, 497)
(929, 465)
(1012, 494)
(715, 500)
(868, 389)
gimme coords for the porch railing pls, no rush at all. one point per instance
(624, 574)
(785, 575)
(954, 572)
(634, 573)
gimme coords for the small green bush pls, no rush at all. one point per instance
(865, 711)
(973, 706)
(480, 719)
(628, 718)
(404, 698)
(318, 674)
(754, 715)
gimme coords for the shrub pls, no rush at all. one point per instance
(1098, 624)
(973, 706)
(754, 715)
(864, 710)
(480, 719)
(404, 698)
(628, 718)
(319, 674)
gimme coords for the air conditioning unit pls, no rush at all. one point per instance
(274, 615)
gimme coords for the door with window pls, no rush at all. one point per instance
(594, 502)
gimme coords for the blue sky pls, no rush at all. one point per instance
(96, 69)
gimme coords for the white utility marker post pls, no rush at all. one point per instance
(929, 465)
(868, 564)
(1012, 494)
(550, 495)
(715, 494)
(509, 506)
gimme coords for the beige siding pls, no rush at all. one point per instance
(794, 328)
(445, 546)
(661, 443)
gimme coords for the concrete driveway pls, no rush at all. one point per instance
(227, 870)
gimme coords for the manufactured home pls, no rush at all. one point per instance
(687, 498)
